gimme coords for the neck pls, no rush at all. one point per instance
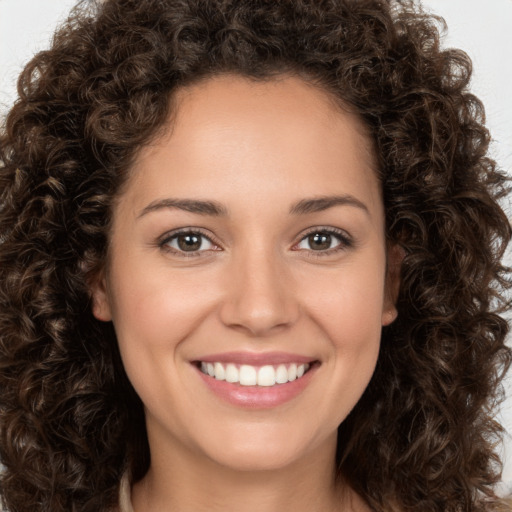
(193, 482)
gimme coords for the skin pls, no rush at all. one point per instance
(256, 149)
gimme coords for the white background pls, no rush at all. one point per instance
(482, 28)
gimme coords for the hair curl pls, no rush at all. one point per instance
(422, 438)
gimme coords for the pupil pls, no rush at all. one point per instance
(320, 241)
(189, 242)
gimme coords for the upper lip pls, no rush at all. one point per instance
(256, 359)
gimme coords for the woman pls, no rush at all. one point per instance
(250, 260)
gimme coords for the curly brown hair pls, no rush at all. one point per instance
(422, 438)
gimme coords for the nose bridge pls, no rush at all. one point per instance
(260, 294)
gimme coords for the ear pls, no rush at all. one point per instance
(395, 255)
(100, 299)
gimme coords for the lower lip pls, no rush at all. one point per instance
(257, 397)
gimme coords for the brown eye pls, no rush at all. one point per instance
(188, 242)
(320, 241)
(325, 241)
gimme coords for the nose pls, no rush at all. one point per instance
(260, 298)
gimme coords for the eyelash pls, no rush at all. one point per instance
(346, 242)
(167, 238)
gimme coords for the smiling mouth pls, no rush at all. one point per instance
(258, 376)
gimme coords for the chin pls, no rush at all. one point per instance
(252, 460)
(264, 451)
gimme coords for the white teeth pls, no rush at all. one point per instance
(232, 374)
(247, 375)
(281, 374)
(266, 376)
(220, 373)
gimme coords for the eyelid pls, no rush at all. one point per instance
(346, 240)
(164, 239)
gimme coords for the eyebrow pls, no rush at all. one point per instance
(213, 208)
(319, 204)
(188, 205)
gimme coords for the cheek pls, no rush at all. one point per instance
(155, 305)
(349, 304)
(350, 316)
(153, 311)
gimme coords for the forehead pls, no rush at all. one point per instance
(232, 133)
(306, 110)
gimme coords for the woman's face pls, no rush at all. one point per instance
(249, 242)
